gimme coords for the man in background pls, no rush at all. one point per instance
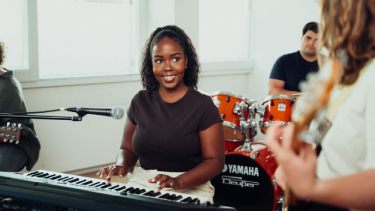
(290, 69)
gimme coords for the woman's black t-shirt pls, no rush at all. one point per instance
(167, 134)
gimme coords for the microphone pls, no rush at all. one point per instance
(116, 113)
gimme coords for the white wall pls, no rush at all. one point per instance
(71, 146)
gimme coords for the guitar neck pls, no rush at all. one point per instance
(10, 134)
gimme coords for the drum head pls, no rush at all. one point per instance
(244, 184)
(231, 131)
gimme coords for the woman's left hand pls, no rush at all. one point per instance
(165, 181)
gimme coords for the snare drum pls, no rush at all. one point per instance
(247, 181)
(228, 105)
(276, 108)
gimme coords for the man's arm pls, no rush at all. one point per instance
(276, 87)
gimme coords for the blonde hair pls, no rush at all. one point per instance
(348, 25)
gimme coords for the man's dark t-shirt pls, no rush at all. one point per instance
(166, 137)
(292, 68)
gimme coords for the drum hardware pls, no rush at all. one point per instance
(246, 126)
(255, 156)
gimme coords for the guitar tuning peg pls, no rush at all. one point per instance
(11, 141)
(17, 142)
(5, 140)
(14, 125)
(19, 125)
(8, 124)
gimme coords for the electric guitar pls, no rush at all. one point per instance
(10, 134)
(311, 105)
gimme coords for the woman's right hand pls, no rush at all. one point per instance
(280, 177)
(115, 169)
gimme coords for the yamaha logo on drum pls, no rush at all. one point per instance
(239, 169)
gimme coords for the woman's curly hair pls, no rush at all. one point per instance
(2, 53)
(149, 81)
(349, 25)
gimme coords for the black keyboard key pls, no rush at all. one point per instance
(140, 191)
(67, 179)
(129, 189)
(186, 200)
(106, 186)
(81, 181)
(95, 183)
(55, 177)
(73, 180)
(63, 178)
(86, 183)
(39, 173)
(207, 204)
(149, 193)
(52, 175)
(165, 196)
(193, 201)
(113, 187)
(134, 190)
(156, 194)
(120, 188)
(98, 185)
(43, 175)
(32, 173)
(176, 198)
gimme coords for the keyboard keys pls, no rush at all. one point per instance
(81, 181)
(113, 187)
(120, 188)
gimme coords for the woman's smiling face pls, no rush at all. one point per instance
(169, 64)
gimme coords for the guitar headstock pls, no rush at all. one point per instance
(316, 95)
(10, 133)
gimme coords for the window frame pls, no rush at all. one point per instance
(186, 16)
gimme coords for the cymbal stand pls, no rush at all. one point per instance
(248, 124)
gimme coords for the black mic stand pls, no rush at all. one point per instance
(72, 118)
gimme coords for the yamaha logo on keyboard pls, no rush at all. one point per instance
(239, 169)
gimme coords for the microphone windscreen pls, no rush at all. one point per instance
(117, 113)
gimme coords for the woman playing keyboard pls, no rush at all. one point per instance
(173, 130)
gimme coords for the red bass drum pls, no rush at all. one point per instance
(247, 181)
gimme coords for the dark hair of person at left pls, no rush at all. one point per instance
(2, 53)
(313, 26)
(175, 33)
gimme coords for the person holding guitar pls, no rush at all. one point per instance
(343, 176)
(14, 157)
(175, 131)
(292, 68)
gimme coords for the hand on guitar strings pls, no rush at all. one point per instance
(299, 167)
(165, 181)
(115, 169)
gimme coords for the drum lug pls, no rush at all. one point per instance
(254, 156)
(271, 117)
(261, 110)
(222, 116)
(272, 103)
(228, 99)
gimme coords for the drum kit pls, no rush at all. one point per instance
(247, 181)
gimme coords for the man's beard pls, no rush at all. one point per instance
(309, 54)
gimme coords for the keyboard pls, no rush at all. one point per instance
(48, 190)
